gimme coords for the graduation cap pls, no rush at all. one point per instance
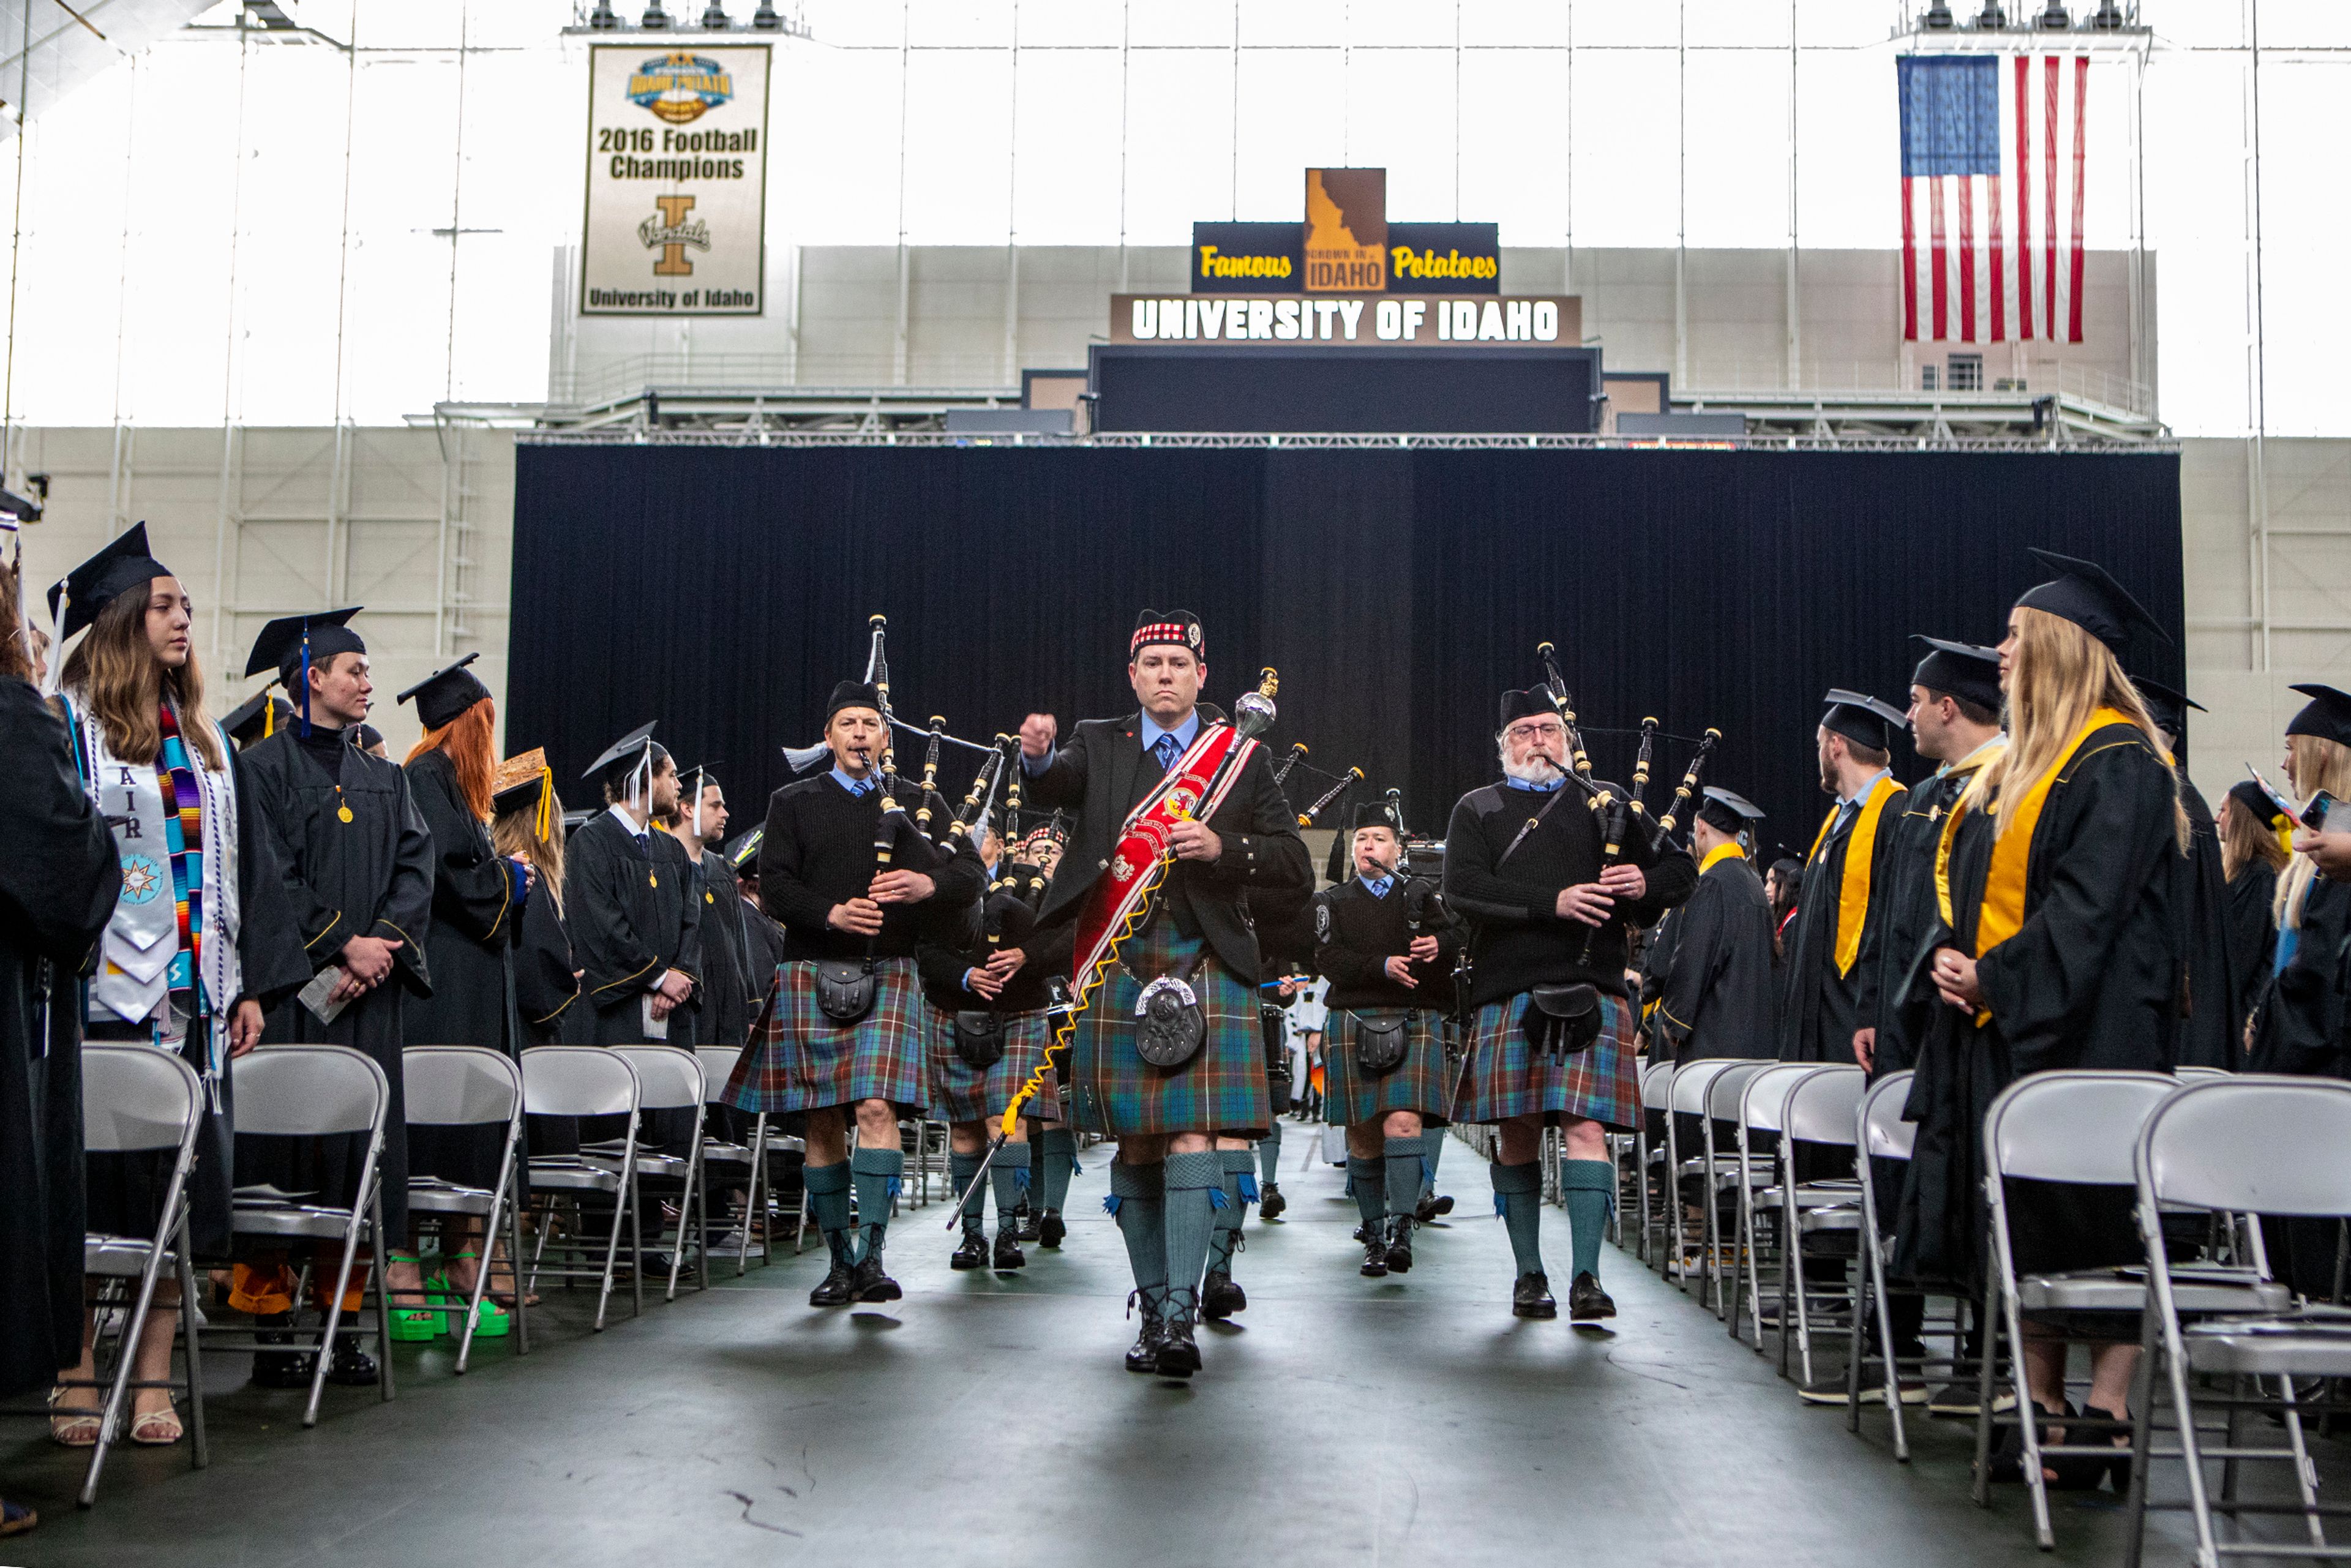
(1961, 670)
(1862, 719)
(124, 566)
(1376, 814)
(292, 643)
(2328, 714)
(637, 752)
(2252, 797)
(2086, 595)
(2166, 706)
(701, 779)
(366, 737)
(1727, 813)
(257, 717)
(743, 854)
(1179, 628)
(523, 782)
(446, 693)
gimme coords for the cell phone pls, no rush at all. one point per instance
(2323, 812)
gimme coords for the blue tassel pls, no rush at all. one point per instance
(1499, 1210)
(1215, 1197)
(1110, 1204)
(1075, 1168)
(1248, 1188)
(1020, 1178)
(896, 1187)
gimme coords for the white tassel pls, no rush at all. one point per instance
(802, 758)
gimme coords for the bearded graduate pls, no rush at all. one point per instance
(356, 871)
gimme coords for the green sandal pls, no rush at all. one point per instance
(491, 1321)
(411, 1325)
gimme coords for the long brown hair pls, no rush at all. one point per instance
(115, 672)
(470, 742)
(2245, 838)
(516, 832)
(2059, 677)
(15, 643)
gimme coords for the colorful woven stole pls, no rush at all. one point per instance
(183, 836)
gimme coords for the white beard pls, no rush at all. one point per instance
(1536, 770)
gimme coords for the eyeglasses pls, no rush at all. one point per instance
(1533, 731)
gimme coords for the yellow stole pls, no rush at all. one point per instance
(1853, 895)
(1720, 852)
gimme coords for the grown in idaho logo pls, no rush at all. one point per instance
(680, 88)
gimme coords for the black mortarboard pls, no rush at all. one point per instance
(123, 566)
(1533, 704)
(281, 644)
(1862, 719)
(1375, 814)
(366, 737)
(2251, 798)
(636, 748)
(2084, 593)
(2166, 705)
(743, 854)
(852, 693)
(443, 695)
(1179, 627)
(257, 716)
(2328, 714)
(1959, 670)
(1727, 813)
(521, 782)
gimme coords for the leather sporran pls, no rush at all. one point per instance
(979, 1039)
(845, 990)
(1561, 1019)
(1381, 1044)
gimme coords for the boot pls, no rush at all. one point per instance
(1375, 1256)
(867, 1280)
(349, 1365)
(836, 1291)
(1050, 1230)
(1009, 1255)
(1179, 1352)
(1270, 1203)
(1398, 1243)
(1144, 1356)
(971, 1252)
(1220, 1298)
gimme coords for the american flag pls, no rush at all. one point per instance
(1992, 160)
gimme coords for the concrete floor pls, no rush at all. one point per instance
(988, 1419)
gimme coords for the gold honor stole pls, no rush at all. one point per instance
(1853, 895)
(1719, 853)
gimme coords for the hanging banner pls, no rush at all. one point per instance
(678, 181)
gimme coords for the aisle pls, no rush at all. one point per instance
(988, 1420)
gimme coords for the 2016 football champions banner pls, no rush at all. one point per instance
(678, 181)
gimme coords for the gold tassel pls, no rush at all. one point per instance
(546, 800)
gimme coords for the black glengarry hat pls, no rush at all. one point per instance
(1959, 670)
(1179, 628)
(1726, 812)
(1533, 703)
(1862, 719)
(443, 695)
(124, 566)
(2086, 595)
(1375, 814)
(852, 693)
(2328, 714)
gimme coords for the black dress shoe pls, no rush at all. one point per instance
(971, 1252)
(1270, 1203)
(1027, 1230)
(1398, 1243)
(868, 1282)
(1179, 1352)
(1432, 1206)
(1587, 1302)
(1050, 1231)
(835, 1290)
(349, 1366)
(1143, 1354)
(1375, 1258)
(1009, 1255)
(279, 1368)
(1220, 1298)
(1532, 1297)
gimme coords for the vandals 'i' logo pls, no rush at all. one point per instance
(680, 88)
(669, 233)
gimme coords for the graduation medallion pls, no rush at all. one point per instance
(342, 807)
(652, 881)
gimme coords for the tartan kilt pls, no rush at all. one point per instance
(799, 1060)
(1418, 1083)
(962, 1094)
(1220, 1090)
(1599, 1084)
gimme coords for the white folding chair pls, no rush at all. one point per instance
(470, 1086)
(1821, 1109)
(1763, 1106)
(1656, 1091)
(136, 1098)
(2084, 1128)
(2245, 1145)
(1724, 1096)
(317, 1091)
(1881, 1133)
(670, 1077)
(1686, 1097)
(723, 1155)
(585, 1081)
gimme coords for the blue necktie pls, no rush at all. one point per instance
(1378, 887)
(1167, 751)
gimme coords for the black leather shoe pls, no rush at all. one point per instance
(349, 1366)
(1375, 1255)
(1009, 1255)
(1220, 1298)
(1399, 1244)
(1432, 1206)
(1050, 1231)
(1270, 1203)
(1179, 1352)
(1587, 1302)
(279, 1368)
(837, 1289)
(971, 1252)
(1027, 1230)
(867, 1280)
(1143, 1354)
(1531, 1298)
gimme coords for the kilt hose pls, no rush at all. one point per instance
(1420, 1082)
(799, 1060)
(1502, 1079)
(960, 1092)
(1220, 1090)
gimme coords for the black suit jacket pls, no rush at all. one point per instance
(1103, 772)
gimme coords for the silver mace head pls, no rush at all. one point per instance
(1253, 714)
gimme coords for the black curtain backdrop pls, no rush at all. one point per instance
(723, 590)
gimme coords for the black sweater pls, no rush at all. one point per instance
(946, 960)
(1356, 935)
(819, 851)
(1520, 941)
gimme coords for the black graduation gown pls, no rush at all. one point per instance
(631, 922)
(2298, 1028)
(1822, 1009)
(545, 987)
(371, 876)
(469, 941)
(2253, 938)
(2208, 1026)
(2090, 980)
(59, 880)
(1717, 998)
(730, 984)
(1907, 914)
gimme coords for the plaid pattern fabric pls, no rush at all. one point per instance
(1418, 1083)
(1220, 1090)
(961, 1093)
(799, 1060)
(1601, 1083)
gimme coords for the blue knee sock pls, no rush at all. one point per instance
(1195, 1185)
(1432, 1144)
(1403, 1157)
(1060, 1153)
(1589, 1187)
(1517, 1198)
(828, 1195)
(1269, 1155)
(876, 1173)
(1369, 1176)
(1137, 1201)
(1010, 1175)
(964, 1171)
(1240, 1165)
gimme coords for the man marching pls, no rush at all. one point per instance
(1171, 786)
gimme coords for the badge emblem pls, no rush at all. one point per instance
(679, 87)
(140, 879)
(1121, 872)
